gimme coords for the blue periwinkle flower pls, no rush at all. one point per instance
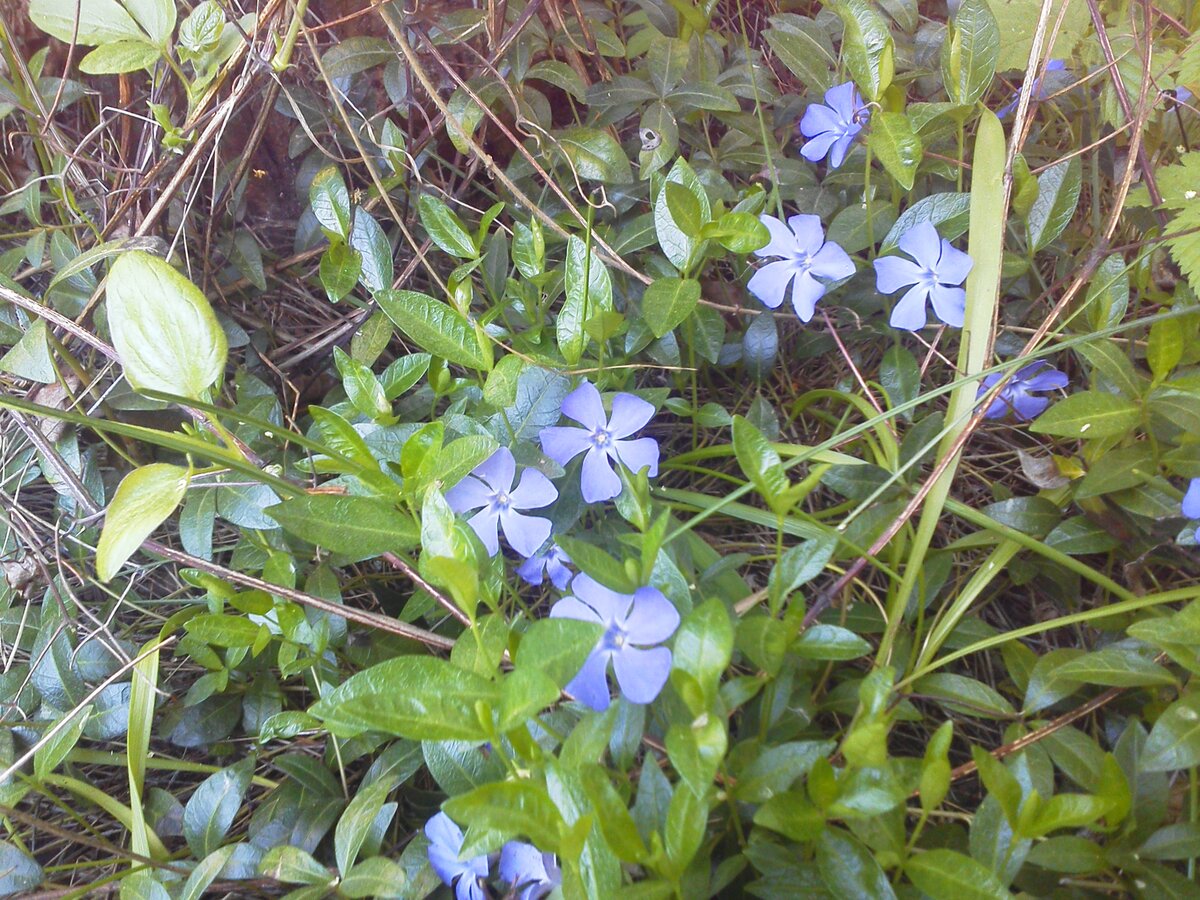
(603, 439)
(832, 127)
(1039, 89)
(935, 276)
(490, 486)
(634, 625)
(1018, 395)
(806, 257)
(1191, 502)
(529, 872)
(445, 844)
(551, 562)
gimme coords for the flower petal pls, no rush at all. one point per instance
(1191, 500)
(584, 406)
(950, 304)
(832, 262)
(954, 265)
(574, 608)
(809, 233)
(923, 243)
(562, 443)
(909, 313)
(590, 685)
(533, 570)
(498, 470)
(998, 408)
(1046, 380)
(556, 568)
(534, 491)
(769, 284)
(484, 523)
(522, 863)
(1028, 407)
(837, 153)
(642, 673)
(842, 100)
(782, 243)
(525, 533)
(638, 455)
(608, 604)
(816, 147)
(893, 273)
(652, 619)
(629, 414)
(806, 291)
(598, 480)
(819, 119)
(470, 493)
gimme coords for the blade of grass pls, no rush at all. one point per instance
(985, 244)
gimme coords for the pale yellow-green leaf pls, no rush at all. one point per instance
(163, 328)
(144, 499)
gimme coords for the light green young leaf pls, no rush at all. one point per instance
(445, 228)
(163, 328)
(969, 52)
(330, 201)
(99, 21)
(144, 499)
(867, 46)
(438, 328)
(119, 57)
(29, 357)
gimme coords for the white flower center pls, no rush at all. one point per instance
(601, 438)
(614, 637)
(501, 500)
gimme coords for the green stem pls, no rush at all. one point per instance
(283, 58)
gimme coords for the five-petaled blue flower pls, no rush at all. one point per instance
(832, 127)
(1039, 89)
(1191, 502)
(935, 276)
(530, 873)
(445, 844)
(634, 625)
(490, 486)
(806, 258)
(552, 562)
(603, 439)
(1017, 396)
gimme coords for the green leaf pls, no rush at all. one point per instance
(358, 820)
(356, 54)
(417, 697)
(793, 815)
(759, 460)
(948, 211)
(525, 693)
(1018, 22)
(18, 872)
(162, 327)
(704, 646)
(445, 228)
(1165, 348)
(804, 47)
(899, 149)
(1174, 742)
(357, 527)
(969, 52)
(684, 209)
(29, 357)
(867, 47)
(1089, 414)
(1115, 667)
(330, 201)
(1058, 195)
(339, 270)
(88, 22)
(597, 563)
(668, 301)
(377, 877)
(588, 293)
(438, 328)
(594, 155)
(946, 875)
(144, 499)
(372, 245)
(55, 750)
(697, 750)
(964, 695)
(557, 647)
(1108, 293)
(737, 231)
(224, 631)
(676, 245)
(157, 18)
(848, 868)
(292, 865)
(510, 808)
(362, 387)
(119, 57)
(830, 642)
(1066, 811)
(213, 805)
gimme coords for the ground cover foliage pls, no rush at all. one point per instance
(629, 449)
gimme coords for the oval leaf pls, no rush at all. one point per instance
(144, 499)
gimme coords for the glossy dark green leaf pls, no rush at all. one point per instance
(557, 647)
(330, 201)
(970, 51)
(358, 527)
(947, 875)
(437, 328)
(867, 46)
(445, 228)
(804, 47)
(1174, 741)
(897, 146)
(1058, 195)
(848, 868)
(1089, 414)
(213, 805)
